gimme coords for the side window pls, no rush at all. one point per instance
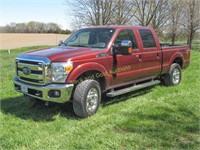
(147, 38)
(126, 35)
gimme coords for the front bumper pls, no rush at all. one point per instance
(45, 92)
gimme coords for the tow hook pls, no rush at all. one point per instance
(46, 104)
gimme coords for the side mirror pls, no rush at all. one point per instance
(124, 48)
(60, 42)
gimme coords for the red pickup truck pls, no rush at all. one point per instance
(111, 60)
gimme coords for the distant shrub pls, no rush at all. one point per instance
(33, 27)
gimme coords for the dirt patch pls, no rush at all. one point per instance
(17, 40)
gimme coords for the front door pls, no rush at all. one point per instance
(126, 68)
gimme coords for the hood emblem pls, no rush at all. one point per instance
(26, 71)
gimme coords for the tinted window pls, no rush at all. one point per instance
(147, 38)
(126, 35)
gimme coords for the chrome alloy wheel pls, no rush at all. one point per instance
(92, 100)
(176, 76)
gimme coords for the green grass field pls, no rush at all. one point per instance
(155, 118)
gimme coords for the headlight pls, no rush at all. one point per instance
(59, 71)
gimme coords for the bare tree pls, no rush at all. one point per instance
(173, 14)
(173, 25)
(153, 13)
(91, 12)
(191, 19)
(77, 23)
(100, 12)
(20, 27)
(123, 11)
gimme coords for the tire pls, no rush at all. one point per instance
(174, 76)
(86, 98)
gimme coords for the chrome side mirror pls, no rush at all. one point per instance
(124, 48)
(126, 43)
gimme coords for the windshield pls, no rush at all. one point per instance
(92, 37)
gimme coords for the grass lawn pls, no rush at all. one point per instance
(155, 118)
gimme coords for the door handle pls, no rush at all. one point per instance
(139, 57)
(158, 56)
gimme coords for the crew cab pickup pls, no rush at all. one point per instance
(96, 61)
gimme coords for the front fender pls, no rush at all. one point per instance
(90, 66)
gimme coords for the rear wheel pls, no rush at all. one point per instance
(86, 98)
(174, 75)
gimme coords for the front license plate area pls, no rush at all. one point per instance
(24, 88)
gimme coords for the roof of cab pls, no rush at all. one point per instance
(119, 27)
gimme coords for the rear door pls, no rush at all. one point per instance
(151, 53)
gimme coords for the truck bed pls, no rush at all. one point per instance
(171, 45)
(169, 51)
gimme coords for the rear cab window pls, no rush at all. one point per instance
(148, 40)
(126, 35)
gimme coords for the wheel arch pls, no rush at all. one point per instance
(95, 75)
(177, 58)
(90, 71)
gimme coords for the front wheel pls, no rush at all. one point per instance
(86, 98)
(174, 76)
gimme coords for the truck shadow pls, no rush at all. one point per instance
(25, 109)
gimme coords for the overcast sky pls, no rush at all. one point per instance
(34, 10)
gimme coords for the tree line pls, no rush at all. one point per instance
(172, 19)
(33, 27)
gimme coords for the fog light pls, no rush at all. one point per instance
(54, 93)
(57, 93)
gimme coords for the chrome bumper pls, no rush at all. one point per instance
(45, 92)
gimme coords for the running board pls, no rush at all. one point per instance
(133, 88)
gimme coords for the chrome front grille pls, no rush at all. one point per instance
(36, 74)
(32, 69)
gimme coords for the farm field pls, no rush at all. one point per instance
(16, 40)
(155, 118)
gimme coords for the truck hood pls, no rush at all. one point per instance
(59, 54)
